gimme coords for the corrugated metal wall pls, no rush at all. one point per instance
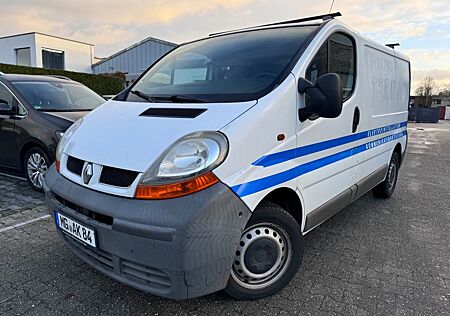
(134, 59)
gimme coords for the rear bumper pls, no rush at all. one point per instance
(177, 248)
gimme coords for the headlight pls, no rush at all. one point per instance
(185, 167)
(65, 138)
(190, 156)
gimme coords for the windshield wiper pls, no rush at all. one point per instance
(144, 96)
(179, 99)
(64, 110)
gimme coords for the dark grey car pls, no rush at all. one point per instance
(35, 111)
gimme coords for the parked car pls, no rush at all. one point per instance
(35, 111)
(206, 173)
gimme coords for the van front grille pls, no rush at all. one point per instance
(75, 165)
(104, 219)
(117, 177)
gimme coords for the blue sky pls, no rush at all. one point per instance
(422, 27)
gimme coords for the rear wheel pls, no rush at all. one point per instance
(386, 188)
(268, 255)
(35, 166)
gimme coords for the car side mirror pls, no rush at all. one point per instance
(325, 97)
(5, 108)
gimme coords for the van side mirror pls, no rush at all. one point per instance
(5, 108)
(325, 97)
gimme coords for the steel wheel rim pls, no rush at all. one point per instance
(243, 275)
(36, 167)
(392, 175)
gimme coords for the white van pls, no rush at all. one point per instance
(207, 172)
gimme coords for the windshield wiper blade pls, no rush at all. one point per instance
(64, 110)
(179, 99)
(144, 96)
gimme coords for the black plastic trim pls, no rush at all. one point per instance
(173, 112)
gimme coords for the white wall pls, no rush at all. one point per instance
(77, 56)
(10, 44)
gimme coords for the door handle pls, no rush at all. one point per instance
(356, 119)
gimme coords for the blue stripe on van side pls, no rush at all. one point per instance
(275, 179)
(282, 156)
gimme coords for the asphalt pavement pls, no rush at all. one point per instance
(385, 257)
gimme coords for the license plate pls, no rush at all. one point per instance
(80, 232)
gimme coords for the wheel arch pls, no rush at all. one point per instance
(398, 150)
(288, 199)
(27, 146)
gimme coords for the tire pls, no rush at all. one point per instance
(386, 188)
(271, 248)
(35, 165)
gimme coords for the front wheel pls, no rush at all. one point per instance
(268, 255)
(35, 165)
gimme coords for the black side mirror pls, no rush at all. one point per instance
(5, 108)
(325, 97)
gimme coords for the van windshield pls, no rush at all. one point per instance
(230, 68)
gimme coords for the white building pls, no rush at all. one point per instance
(41, 50)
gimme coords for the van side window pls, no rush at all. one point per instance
(336, 55)
(342, 60)
(319, 64)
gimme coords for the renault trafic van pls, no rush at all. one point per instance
(206, 173)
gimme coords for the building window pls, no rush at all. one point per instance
(23, 56)
(52, 59)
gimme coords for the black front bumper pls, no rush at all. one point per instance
(177, 248)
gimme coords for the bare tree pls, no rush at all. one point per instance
(427, 89)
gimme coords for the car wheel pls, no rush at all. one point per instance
(35, 166)
(386, 188)
(268, 255)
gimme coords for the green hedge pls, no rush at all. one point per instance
(102, 84)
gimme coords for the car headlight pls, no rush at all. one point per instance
(65, 138)
(185, 167)
(191, 155)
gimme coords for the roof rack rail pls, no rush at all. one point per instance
(393, 45)
(2, 73)
(323, 17)
(59, 77)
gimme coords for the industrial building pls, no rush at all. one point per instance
(132, 61)
(46, 51)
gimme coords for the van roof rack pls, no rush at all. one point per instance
(323, 17)
(393, 45)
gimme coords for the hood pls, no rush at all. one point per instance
(132, 135)
(63, 119)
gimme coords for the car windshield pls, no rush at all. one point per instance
(230, 68)
(58, 96)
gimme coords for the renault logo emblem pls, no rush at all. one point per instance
(88, 172)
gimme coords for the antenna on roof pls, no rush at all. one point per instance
(393, 45)
(323, 17)
(331, 7)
